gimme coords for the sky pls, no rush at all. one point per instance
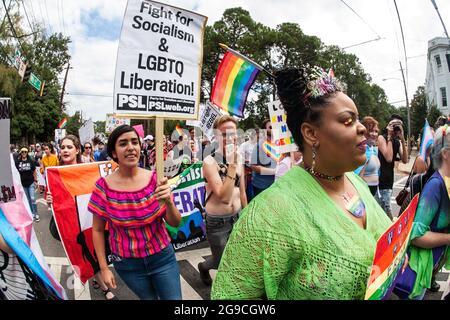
(95, 25)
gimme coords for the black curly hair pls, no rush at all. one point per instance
(292, 88)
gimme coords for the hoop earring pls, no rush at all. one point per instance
(314, 154)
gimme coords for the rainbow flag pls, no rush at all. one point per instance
(179, 129)
(427, 140)
(62, 123)
(234, 78)
(271, 150)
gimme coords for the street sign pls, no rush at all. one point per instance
(17, 59)
(22, 68)
(35, 82)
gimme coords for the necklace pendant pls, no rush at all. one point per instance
(354, 205)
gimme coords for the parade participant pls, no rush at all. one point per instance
(313, 233)
(49, 159)
(71, 154)
(87, 155)
(390, 145)
(370, 170)
(181, 148)
(136, 209)
(27, 169)
(100, 147)
(246, 150)
(262, 165)
(149, 151)
(430, 238)
(287, 161)
(225, 192)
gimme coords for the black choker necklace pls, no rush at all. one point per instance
(321, 175)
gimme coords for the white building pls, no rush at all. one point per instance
(437, 83)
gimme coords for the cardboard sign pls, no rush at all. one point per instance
(159, 61)
(140, 130)
(281, 135)
(207, 118)
(7, 191)
(113, 122)
(390, 254)
(87, 132)
(59, 135)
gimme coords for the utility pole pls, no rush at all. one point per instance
(63, 87)
(437, 10)
(407, 109)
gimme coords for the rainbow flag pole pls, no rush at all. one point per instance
(234, 77)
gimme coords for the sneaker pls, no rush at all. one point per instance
(204, 275)
(36, 218)
(434, 286)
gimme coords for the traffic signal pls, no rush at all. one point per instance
(43, 89)
(27, 74)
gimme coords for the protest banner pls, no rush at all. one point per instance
(7, 190)
(172, 166)
(207, 118)
(86, 132)
(113, 122)
(188, 196)
(390, 254)
(71, 188)
(281, 135)
(159, 61)
(16, 227)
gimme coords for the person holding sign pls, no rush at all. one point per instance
(225, 189)
(313, 233)
(71, 154)
(430, 238)
(136, 208)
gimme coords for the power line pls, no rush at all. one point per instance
(404, 45)
(360, 18)
(59, 17)
(364, 42)
(89, 94)
(62, 16)
(32, 12)
(12, 27)
(42, 15)
(26, 15)
(48, 19)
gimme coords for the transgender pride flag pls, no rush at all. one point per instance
(234, 78)
(427, 140)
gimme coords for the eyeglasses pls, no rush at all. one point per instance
(87, 147)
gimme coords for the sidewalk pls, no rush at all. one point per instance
(406, 167)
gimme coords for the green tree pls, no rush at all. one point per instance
(418, 111)
(99, 126)
(74, 123)
(433, 115)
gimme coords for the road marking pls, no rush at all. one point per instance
(398, 183)
(56, 269)
(81, 292)
(187, 292)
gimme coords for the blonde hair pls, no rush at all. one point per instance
(222, 119)
(441, 143)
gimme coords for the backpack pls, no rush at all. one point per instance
(416, 184)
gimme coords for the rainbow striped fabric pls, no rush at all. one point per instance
(233, 80)
(427, 139)
(62, 123)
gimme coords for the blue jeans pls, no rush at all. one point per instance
(31, 196)
(153, 277)
(384, 199)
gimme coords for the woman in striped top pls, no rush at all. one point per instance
(136, 209)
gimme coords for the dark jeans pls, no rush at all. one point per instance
(257, 191)
(153, 277)
(373, 190)
(218, 230)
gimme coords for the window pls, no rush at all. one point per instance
(444, 96)
(438, 63)
(447, 56)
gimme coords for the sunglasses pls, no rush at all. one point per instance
(87, 147)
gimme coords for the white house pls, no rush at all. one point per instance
(437, 83)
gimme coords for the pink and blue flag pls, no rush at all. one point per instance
(427, 140)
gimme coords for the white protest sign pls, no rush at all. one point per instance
(159, 61)
(59, 135)
(86, 132)
(171, 167)
(196, 123)
(281, 135)
(209, 115)
(7, 192)
(112, 122)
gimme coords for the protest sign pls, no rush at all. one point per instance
(281, 135)
(86, 132)
(159, 61)
(390, 254)
(71, 187)
(16, 227)
(113, 122)
(188, 196)
(59, 135)
(140, 130)
(207, 118)
(7, 190)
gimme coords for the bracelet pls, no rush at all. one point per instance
(231, 177)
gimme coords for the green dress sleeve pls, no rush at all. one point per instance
(252, 264)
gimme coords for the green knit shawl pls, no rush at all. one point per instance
(294, 242)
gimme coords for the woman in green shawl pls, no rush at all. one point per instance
(313, 233)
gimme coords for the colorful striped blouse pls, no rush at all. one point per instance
(135, 219)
